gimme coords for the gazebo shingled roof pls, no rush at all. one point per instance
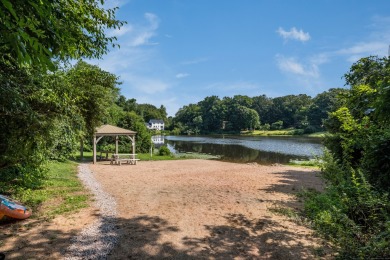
(112, 131)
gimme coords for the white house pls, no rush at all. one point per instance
(156, 124)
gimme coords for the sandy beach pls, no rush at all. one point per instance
(189, 209)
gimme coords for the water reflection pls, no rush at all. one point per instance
(264, 150)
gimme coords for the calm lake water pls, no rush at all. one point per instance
(264, 150)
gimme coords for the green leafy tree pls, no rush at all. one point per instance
(212, 114)
(354, 211)
(38, 120)
(291, 109)
(95, 91)
(186, 115)
(143, 138)
(36, 32)
(243, 118)
(263, 104)
(323, 104)
(148, 111)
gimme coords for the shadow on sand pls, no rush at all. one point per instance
(240, 238)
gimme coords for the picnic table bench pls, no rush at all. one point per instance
(124, 157)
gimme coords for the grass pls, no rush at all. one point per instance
(270, 132)
(318, 134)
(313, 163)
(62, 192)
(284, 132)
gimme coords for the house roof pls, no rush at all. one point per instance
(112, 130)
(156, 121)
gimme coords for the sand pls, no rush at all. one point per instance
(189, 209)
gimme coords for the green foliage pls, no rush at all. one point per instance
(277, 125)
(351, 214)
(37, 32)
(43, 116)
(94, 91)
(164, 150)
(323, 104)
(354, 210)
(143, 138)
(61, 191)
(265, 127)
(242, 112)
(36, 123)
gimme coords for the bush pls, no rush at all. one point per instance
(265, 127)
(164, 150)
(277, 125)
(310, 129)
(350, 213)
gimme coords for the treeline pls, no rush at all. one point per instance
(354, 211)
(232, 114)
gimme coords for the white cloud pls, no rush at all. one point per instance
(142, 39)
(143, 34)
(363, 49)
(376, 43)
(294, 34)
(292, 66)
(182, 75)
(122, 31)
(153, 20)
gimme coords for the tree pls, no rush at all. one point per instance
(39, 119)
(95, 91)
(263, 104)
(323, 104)
(354, 210)
(36, 32)
(186, 116)
(212, 114)
(291, 109)
(136, 123)
(242, 118)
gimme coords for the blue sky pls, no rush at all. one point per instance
(177, 52)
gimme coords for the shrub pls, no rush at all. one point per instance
(277, 125)
(350, 213)
(164, 150)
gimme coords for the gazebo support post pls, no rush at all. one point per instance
(94, 149)
(116, 144)
(133, 145)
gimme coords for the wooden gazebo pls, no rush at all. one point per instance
(110, 130)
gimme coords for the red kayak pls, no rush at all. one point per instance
(12, 209)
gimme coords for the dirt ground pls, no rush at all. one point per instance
(187, 209)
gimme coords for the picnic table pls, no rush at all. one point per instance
(129, 158)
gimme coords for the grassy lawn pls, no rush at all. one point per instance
(270, 132)
(61, 192)
(313, 163)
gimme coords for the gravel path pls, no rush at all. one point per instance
(96, 240)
